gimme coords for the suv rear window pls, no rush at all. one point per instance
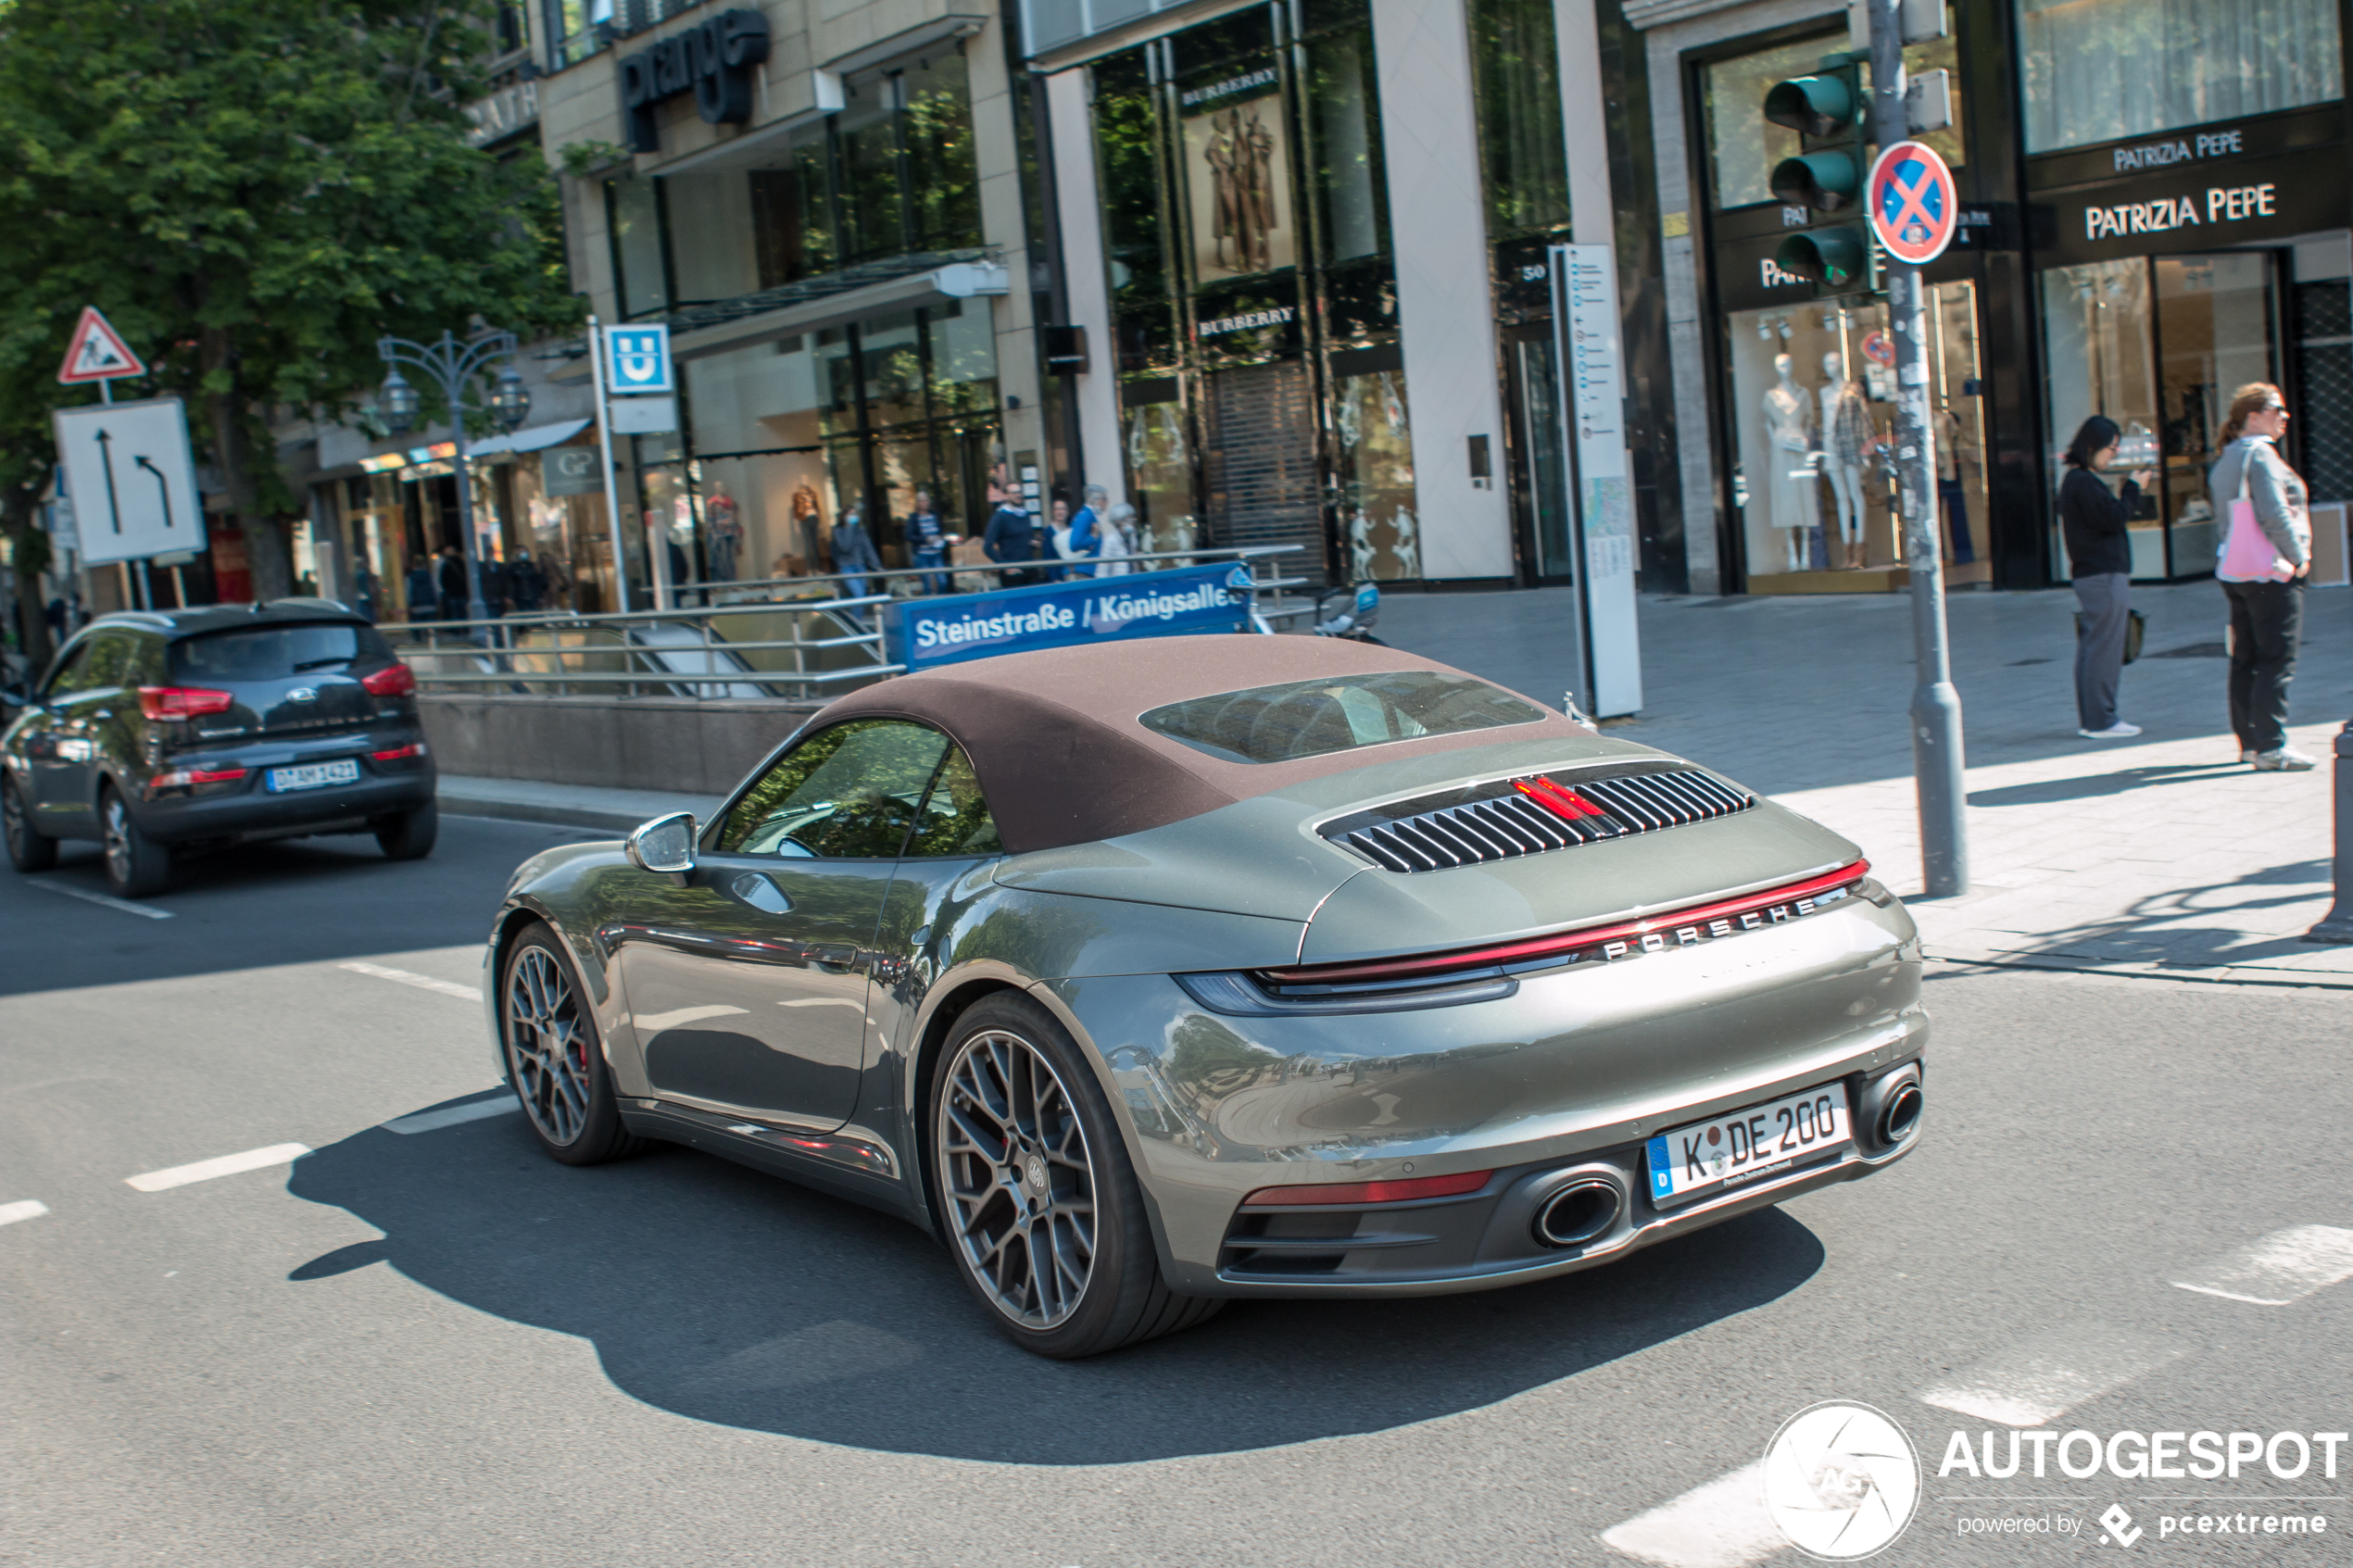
(273, 653)
(1338, 713)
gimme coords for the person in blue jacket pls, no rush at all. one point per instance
(1011, 536)
(1086, 529)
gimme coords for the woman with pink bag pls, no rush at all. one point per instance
(2266, 552)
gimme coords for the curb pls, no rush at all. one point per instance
(2216, 974)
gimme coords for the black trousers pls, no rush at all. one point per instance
(2266, 621)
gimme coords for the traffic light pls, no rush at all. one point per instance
(1833, 258)
(1828, 110)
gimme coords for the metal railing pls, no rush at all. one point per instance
(789, 639)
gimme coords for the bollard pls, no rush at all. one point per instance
(2338, 927)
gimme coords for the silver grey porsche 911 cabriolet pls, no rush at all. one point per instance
(1157, 973)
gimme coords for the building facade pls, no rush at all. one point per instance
(2155, 211)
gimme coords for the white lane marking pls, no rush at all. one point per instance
(24, 1209)
(2038, 1380)
(226, 1165)
(1721, 1524)
(125, 905)
(421, 981)
(2282, 1267)
(450, 1116)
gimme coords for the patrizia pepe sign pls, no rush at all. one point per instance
(2221, 204)
(2191, 190)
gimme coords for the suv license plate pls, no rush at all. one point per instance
(313, 775)
(1762, 1140)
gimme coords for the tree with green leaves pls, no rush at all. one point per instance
(253, 194)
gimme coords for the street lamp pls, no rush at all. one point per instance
(453, 366)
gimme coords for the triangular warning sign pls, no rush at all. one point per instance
(97, 352)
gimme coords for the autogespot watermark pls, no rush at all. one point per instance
(2081, 1455)
(1842, 1481)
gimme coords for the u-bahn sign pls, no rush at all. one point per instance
(1913, 202)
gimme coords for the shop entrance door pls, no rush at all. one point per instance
(1540, 460)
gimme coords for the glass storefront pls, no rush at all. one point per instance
(2158, 344)
(1813, 409)
(2102, 70)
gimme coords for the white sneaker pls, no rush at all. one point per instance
(2247, 754)
(2287, 759)
(2118, 731)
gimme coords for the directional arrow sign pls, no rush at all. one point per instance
(132, 479)
(97, 352)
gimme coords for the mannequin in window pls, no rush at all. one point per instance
(724, 530)
(1848, 439)
(1785, 425)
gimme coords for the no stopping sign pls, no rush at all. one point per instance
(1912, 201)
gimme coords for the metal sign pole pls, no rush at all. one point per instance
(1936, 705)
(604, 441)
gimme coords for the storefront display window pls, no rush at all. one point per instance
(2100, 70)
(1813, 411)
(1160, 466)
(2158, 344)
(1376, 467)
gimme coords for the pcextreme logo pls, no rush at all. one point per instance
(1842, 1481)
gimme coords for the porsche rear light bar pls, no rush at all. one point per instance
(1749, 909)
(1318, 1194)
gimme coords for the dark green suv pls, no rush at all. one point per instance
(212, 726)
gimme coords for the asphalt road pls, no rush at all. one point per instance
(437, 1346)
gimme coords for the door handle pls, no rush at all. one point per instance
(761, 893)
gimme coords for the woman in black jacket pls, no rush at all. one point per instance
(2101, 557)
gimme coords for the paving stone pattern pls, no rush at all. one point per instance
(2162, 855)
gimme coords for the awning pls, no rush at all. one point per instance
(530, 439)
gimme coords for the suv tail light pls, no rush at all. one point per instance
(181, 702)
(397, 681)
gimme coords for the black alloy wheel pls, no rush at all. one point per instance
(554, 1057)
(1035, 1193)
(136, 865)
(29, 849)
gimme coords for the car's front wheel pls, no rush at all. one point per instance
(136, 865)
(1040, 1203)
(29, 849)
(554, 1057)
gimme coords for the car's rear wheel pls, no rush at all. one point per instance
(408, 836)
(554, 1056)
(1041, 1205)
(136, 865)
(29, 849)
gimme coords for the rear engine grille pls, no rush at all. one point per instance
(1528, 816)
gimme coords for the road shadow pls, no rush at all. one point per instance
(284, 901)
(2199, 927)
(2092, 786)
(730, 1297)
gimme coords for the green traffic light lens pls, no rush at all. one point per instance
(1832, 258)
(1825, 182)
(1811, 105)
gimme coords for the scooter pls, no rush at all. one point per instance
(1355, 622)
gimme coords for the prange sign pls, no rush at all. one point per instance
(713, 61)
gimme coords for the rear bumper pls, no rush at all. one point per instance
(1570, 1074)
(250, 810)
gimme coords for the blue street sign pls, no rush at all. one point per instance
(637, 359)
(920, 633)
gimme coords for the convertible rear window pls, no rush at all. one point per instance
(273, 653)
(1337, 713)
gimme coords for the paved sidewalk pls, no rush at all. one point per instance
(2161, 855)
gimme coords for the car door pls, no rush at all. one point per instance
(81, 700)
(747, 988)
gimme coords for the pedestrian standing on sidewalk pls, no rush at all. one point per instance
(2100, 553)
(2267, 611)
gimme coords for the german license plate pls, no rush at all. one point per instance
(310, 775)
(1748, 1145)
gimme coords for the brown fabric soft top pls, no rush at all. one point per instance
(1054, 737)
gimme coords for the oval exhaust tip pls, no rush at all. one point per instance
(1902, 1115)
(1580, 1213)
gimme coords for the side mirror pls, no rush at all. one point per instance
(665, 844)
